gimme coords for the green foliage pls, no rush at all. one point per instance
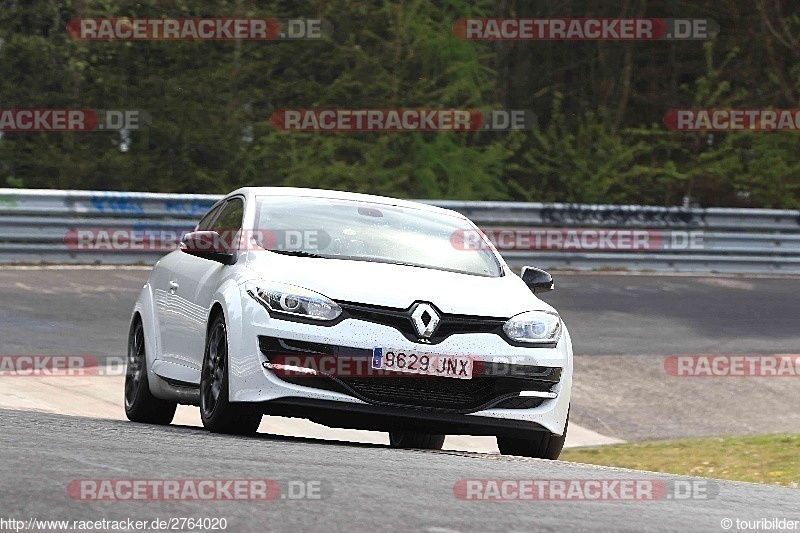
(210, 103)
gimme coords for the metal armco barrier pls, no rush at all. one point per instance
(34, 224)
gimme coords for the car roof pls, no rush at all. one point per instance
(250, 192)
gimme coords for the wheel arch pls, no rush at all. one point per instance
(216, 310)
(144, 310)
(227, 301)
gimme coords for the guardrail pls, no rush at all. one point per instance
(34, 225)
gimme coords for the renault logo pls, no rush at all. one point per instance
(425, 319)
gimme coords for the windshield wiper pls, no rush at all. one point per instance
(298, 253)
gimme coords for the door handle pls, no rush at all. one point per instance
(173, 287)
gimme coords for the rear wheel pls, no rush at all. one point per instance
(140, 404)
(541, 444)
(220, 415)
(410, 439)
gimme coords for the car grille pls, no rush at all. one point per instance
(400, 319)
(399, 389)
(425, 391)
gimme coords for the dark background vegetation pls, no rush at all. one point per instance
(600, 137)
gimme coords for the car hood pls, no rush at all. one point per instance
(399, 286)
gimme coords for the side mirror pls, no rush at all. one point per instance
(537, 280)
(208, 245)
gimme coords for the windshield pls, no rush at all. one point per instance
(356, 230)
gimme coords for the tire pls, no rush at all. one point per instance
(408, 439)
(541, 444)
(218, 413)
(140, 404)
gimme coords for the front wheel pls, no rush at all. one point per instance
(140, 404)
(541, 444)
(409, 439)
(220, 415)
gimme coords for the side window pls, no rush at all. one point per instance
(229, 222)
(205, 222)
(230, 218)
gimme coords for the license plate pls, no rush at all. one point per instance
(446, 366)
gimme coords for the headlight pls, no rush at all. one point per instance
(297, 301)
(534, 327)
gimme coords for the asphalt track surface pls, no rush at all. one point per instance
(365, 487)
(622, 327)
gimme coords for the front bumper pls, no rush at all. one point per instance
(347, 370)
(482, 405)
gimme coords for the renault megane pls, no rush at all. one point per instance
(353, 311)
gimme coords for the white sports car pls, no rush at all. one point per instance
(353, 311)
